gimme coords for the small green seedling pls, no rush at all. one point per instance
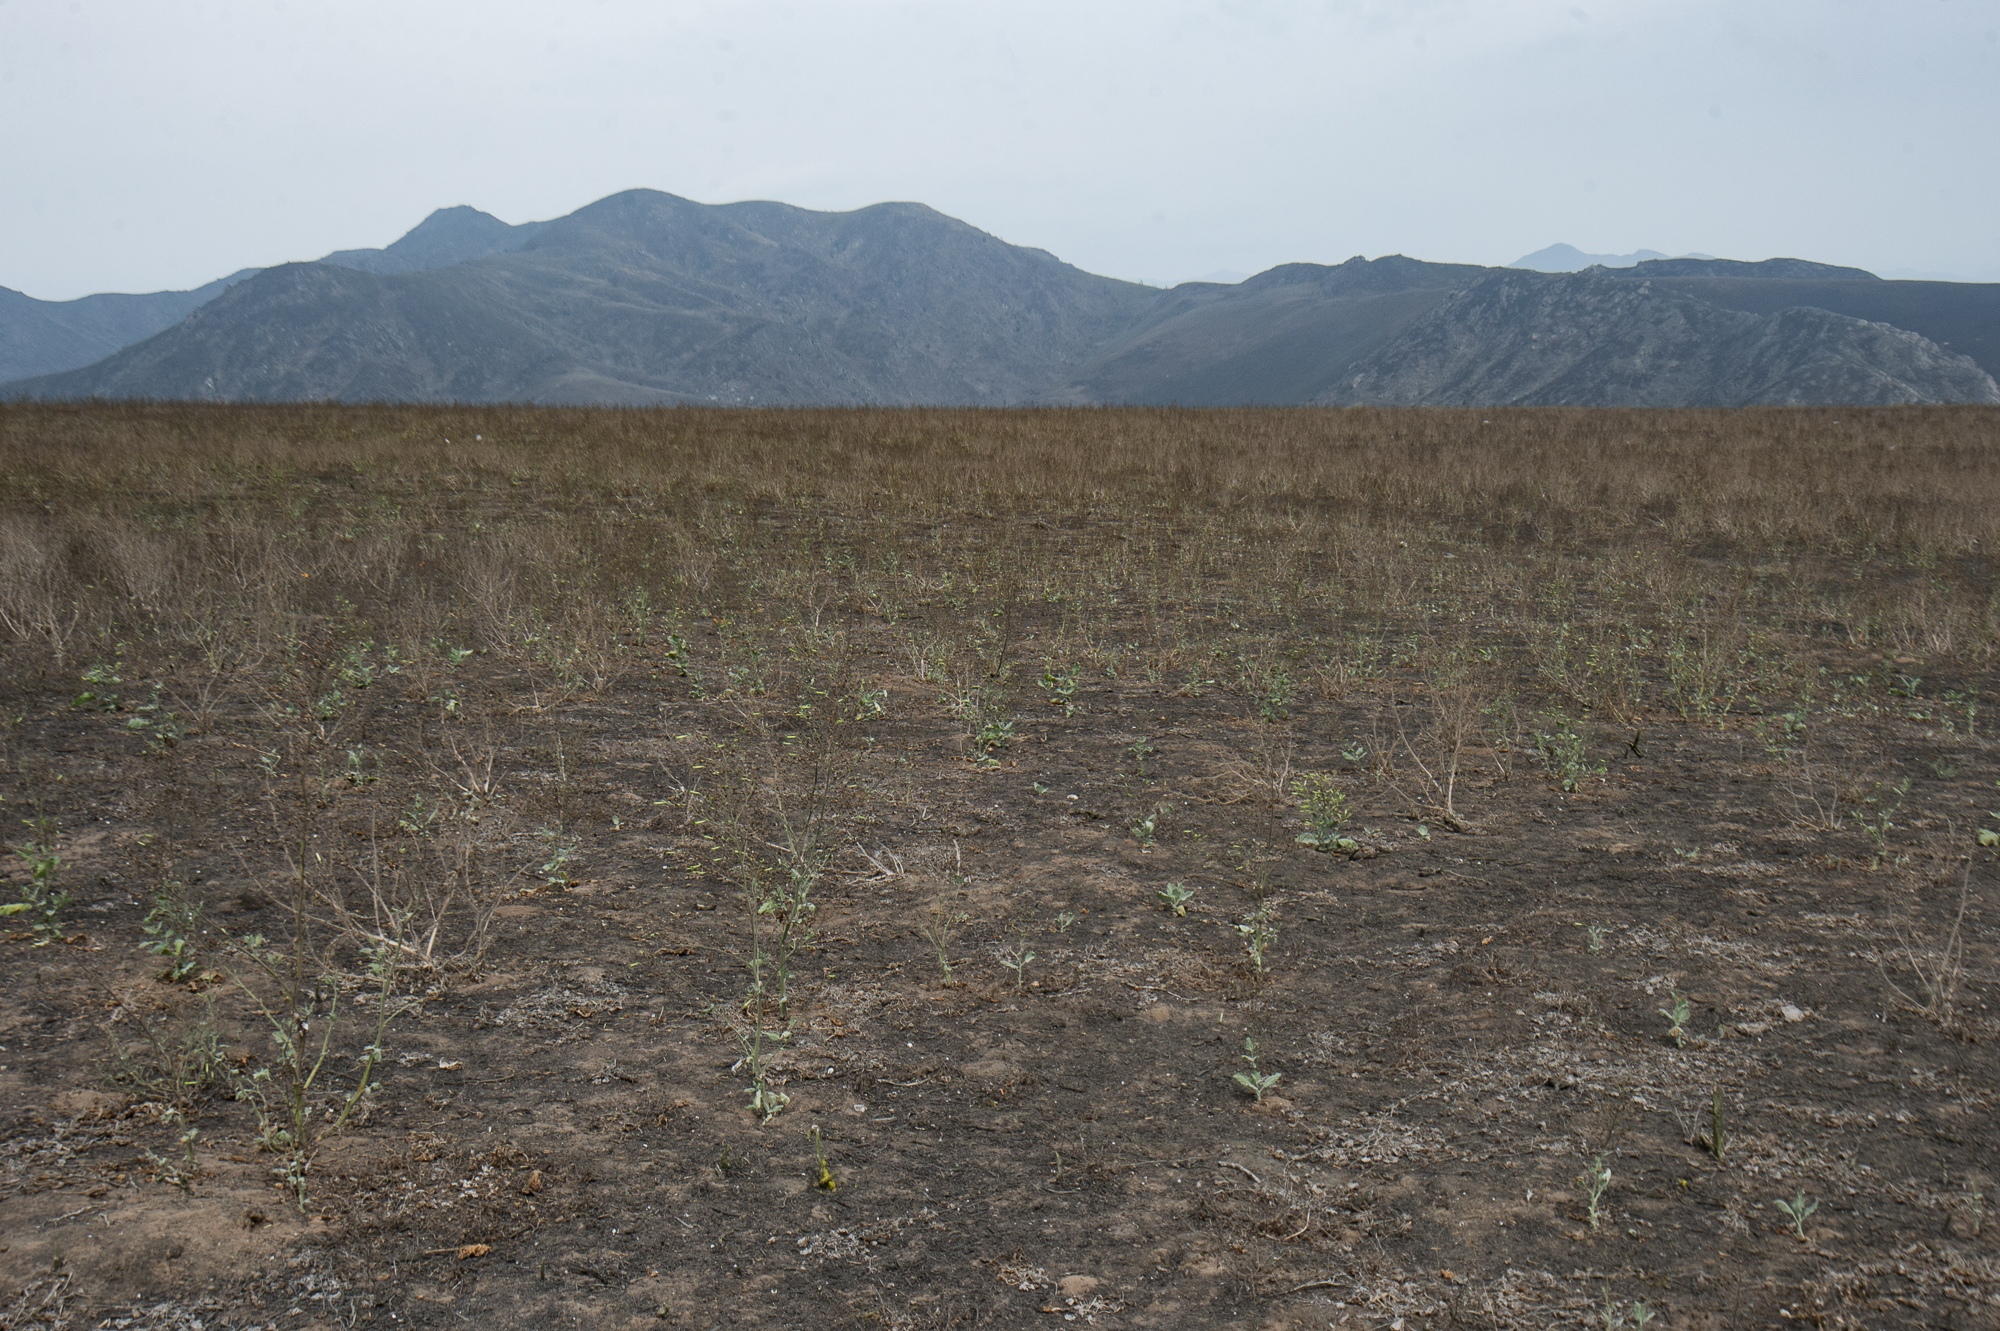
(1064, 919)
(1593, 938)
(996, 734)
(1595, 1180)
(1799, 1209)
(170, 927)
(1325, 808)
(1258, 933)
(1256, 1080)
(1177, 896)
(1140, 749)
(1613, 1317)
(1148, 827)
(1061, 688)
(1016, 959)
(181, 1176)
(1677, 1017)
(40, 900)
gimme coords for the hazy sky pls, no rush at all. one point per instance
(154, 144)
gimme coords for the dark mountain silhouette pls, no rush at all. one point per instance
(648, 298)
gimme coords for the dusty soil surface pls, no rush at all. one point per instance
(886, 869)
(1463, 1023)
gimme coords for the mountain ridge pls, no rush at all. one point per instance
(644, 297)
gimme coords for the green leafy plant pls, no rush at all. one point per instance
(300, 1007)
(993, 735)
(562, 852)
(1799, 1209)
(40, 900)
(1881, 821)
(1325, 807)
(1595, 1181)
(1176, 896)
(1256, 1080)
(1064, 919)
(1258, 930)
(1593, 938)
(98, 698)
(1563, 755)
(1677, 1018)
(1061, 687)
(181, 1175)
(1147, 828)
(170, 929)
(1271, 690)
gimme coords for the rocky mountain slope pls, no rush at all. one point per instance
(645, 297)
(1280, 337)
(47, 336)
(1591, 339)
(44, 336)
(446, 237)
(648, 298)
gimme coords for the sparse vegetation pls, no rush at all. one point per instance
(521, 808)
(1798, 1210)
(1256, 1080)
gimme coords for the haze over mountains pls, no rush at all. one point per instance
(645, 298)
(1569, 259)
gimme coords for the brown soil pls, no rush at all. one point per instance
(1465, 1014)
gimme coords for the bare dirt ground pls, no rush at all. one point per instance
(1001, 1081)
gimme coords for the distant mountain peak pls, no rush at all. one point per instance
(1561, 258)
(447, 236)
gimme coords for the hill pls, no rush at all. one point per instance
(44, 336)
(1592, 339)
(644, 297)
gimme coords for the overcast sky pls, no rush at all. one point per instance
(156, 144)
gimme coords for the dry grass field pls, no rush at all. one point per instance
(1121, 868)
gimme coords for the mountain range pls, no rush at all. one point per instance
(646, 298)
